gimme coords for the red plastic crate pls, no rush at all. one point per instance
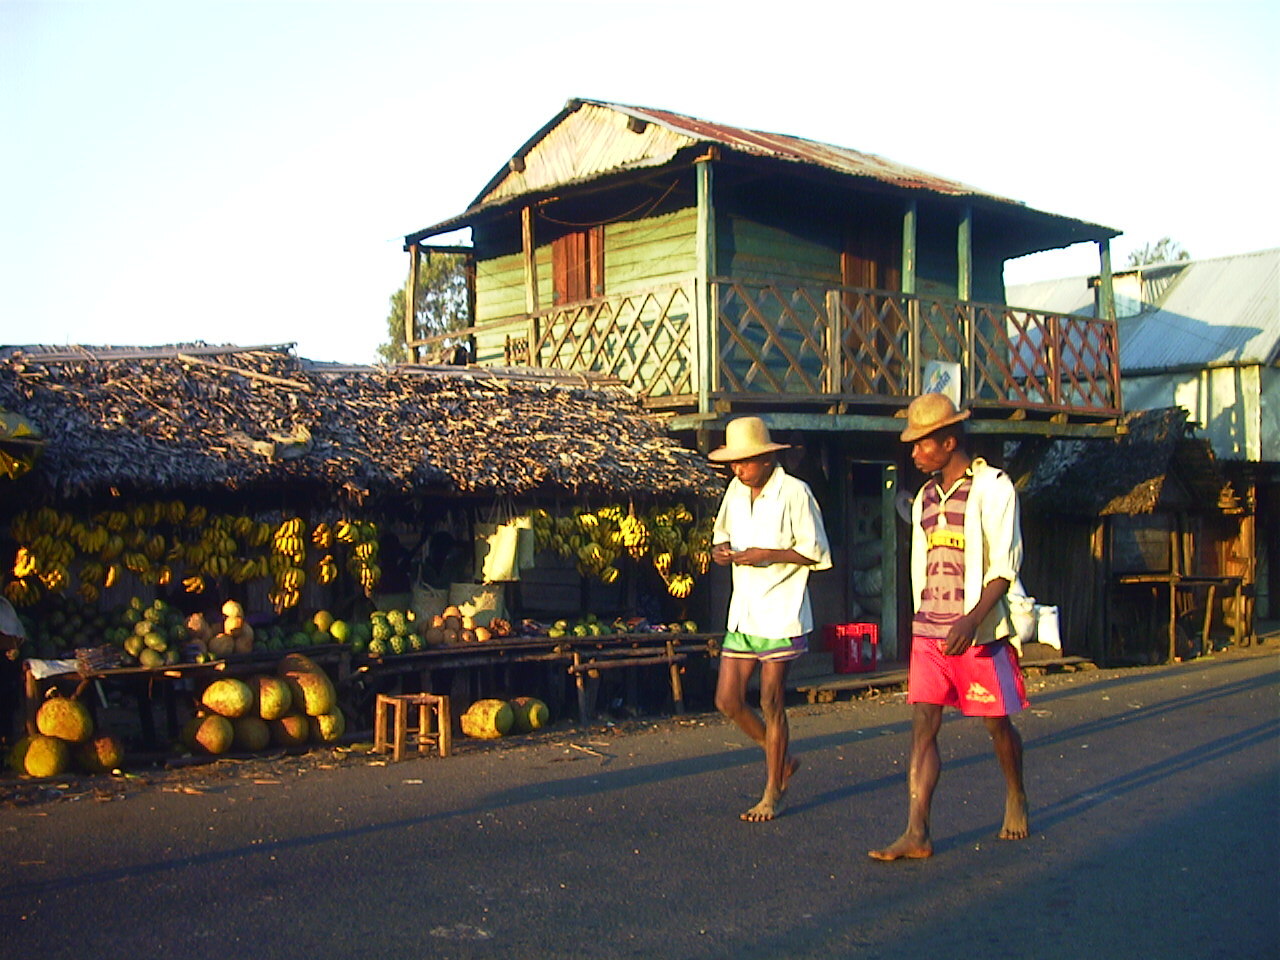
(855, 647)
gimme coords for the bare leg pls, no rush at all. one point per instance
(772, 733)
(922, 779)
(1008, 745)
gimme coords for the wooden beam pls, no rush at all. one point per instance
(1107, 290)
(704, 338)
(411, 303)
(964, 293)
(909, 218)
(872, 423)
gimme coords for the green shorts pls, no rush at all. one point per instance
(746, 646)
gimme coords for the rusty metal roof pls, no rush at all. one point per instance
(689, 132)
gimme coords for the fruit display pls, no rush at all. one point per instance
(169, 543)
(675, 541)
(65, 739)
(292, 707)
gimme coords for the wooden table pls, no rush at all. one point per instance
(1175, 583)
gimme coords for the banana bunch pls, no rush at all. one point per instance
(194, 583)
(635, 535)
(699, 544)
(89, 538)
(322, 536)
(596, 560)
(287, 540)
(24, 563)
(680, 586)
(543, 529)
(23, 592)
(326, 570)
(284, 599)
(344, 531)
(662, 563)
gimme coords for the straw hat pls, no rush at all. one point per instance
(929, 412)
(745, 438)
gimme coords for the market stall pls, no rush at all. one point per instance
(202, 512)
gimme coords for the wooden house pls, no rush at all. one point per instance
(717, 270)
(1204, 335)
(1155, 526)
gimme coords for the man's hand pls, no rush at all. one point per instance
(722, 554)
(753, 557)
(961, 635)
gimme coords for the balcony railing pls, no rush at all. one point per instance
(832, 345)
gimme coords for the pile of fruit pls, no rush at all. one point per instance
(66, 738)
(490, 719)
(294, 706)
(169, 542)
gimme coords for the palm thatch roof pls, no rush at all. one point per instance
(228, 418)
(1156, 462)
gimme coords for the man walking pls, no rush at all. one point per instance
(966, 550)
(769, 531)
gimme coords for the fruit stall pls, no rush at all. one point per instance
(221, 518)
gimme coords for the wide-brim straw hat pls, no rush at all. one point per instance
(929, 412)
(744, 438)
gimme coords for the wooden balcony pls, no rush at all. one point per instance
(833, 348)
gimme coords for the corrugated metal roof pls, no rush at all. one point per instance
(512, 182)
(1217, 311)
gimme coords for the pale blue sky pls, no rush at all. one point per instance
(245, 171)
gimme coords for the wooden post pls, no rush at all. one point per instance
(677, 689)
(889, 562)
(964, 292)
(909, 214)
(411, 303)
(530, 251)
(835, 355)
(704, 361)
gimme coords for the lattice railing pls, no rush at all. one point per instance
(645, 339)
(832, 344)
(843, 343)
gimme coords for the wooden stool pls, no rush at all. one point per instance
(427, 733)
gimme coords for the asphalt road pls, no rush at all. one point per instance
(1154, 834)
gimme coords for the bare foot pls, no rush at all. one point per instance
(904, 848)
(1015, 818)
(770, 806)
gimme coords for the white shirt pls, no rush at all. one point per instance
(772, 600)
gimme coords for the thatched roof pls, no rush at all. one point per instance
(1155, 463)
(200, 417)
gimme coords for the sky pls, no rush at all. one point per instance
(245, 172)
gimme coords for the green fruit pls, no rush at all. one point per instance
(378, 647)
(228, 697)
(40, 756)
(156, 641)
(65, 719)
(151, 659)
(340, 630)
(272, 694)
(488, 719)
(212, 734)
(100, 754)
(398, 644)
(250, 734)
(133, 645)
(327, 727)
(291, 730)
(530, 714)
(312, 693)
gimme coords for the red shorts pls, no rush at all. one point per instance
(984, 681)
